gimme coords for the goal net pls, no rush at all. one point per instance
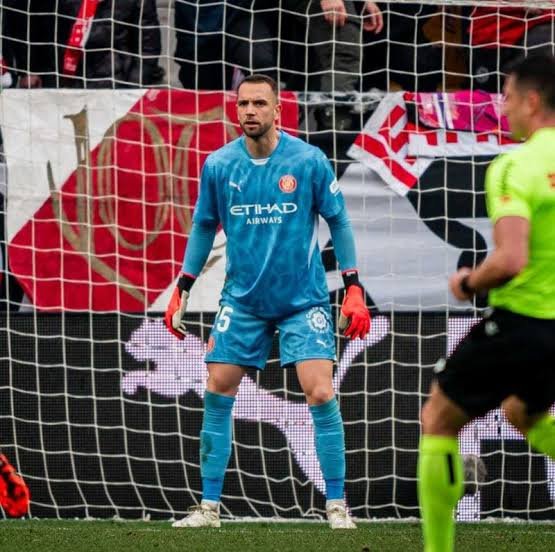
(100, 407)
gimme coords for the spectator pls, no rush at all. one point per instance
(199, 50)
(257, 36)
(498, 36)
(334, 26)
(335, 29)
(93, 44)
(415, 54)
(208, 56)
(332, 29)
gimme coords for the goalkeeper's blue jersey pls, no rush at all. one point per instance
(269, 212)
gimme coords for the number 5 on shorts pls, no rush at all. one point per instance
(223, 318)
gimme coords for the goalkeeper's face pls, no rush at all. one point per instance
(257, 109)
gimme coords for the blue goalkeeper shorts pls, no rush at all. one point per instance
(238, 337)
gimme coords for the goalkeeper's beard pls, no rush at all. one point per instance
(258, 132)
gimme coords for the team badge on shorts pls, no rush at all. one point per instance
(288, 183)
(318, 320)
(210, 345)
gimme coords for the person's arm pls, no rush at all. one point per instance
(509, 209)
(343, 241)
(150, 44)
(507, 260)
(354, 317)
(199, 245)
(334, 12)
(198, 248)
(373, 17)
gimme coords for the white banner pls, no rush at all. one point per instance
(403, 264)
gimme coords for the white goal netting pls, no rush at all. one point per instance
(100, 407)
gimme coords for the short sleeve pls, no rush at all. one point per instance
(506, 189)
(327, 195)
(206, 209)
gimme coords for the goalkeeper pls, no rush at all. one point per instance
(508, 357)
(267, 190)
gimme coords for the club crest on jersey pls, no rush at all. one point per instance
(288, 183)
(318, 320)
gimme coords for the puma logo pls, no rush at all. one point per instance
(178, 367)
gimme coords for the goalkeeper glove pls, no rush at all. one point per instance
(354, 318)
(175, 313)
(14, 493)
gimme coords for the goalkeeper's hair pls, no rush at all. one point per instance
(257, 78)
(537, 72)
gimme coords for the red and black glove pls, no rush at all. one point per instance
(175, 313)
(14, 493)
(354, 318)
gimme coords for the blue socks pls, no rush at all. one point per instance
(330, 446)
(215, 443)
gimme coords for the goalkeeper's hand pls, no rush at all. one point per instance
(14, 493)
(175, 313)
(354, 318)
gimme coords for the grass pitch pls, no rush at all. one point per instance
(98, 536)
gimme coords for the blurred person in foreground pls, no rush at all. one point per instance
(267, 189)
(507, 358)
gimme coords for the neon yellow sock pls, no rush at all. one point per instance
(542, 435)
(440, 485)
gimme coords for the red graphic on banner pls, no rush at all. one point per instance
(112, 237)
(407, 131)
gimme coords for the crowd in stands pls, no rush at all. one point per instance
(331, 46)
(304, 44)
